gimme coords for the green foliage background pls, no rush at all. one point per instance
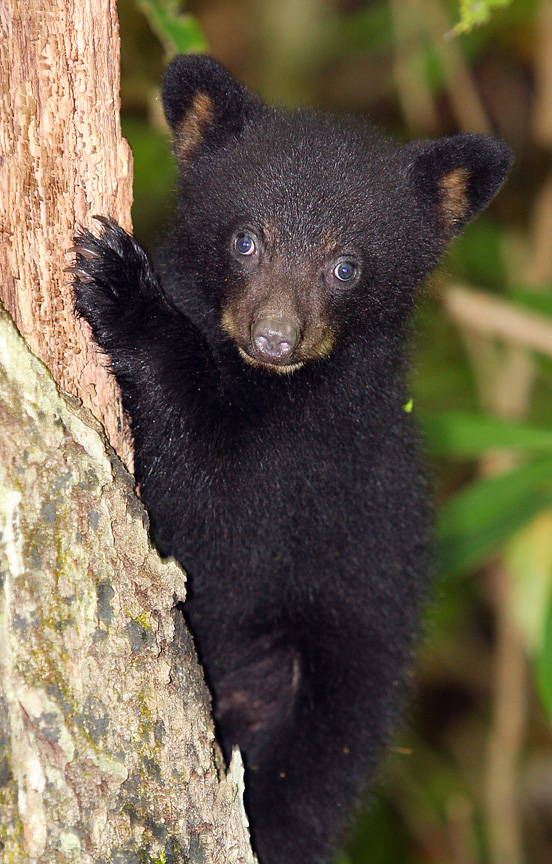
(470, 777)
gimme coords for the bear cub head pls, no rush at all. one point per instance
(301, 229)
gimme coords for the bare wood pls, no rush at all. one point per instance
(498, 318)
(543, 74)
(509, 722)
(62, 159)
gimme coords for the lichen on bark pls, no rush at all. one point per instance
(106, 745)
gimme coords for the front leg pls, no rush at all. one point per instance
(151, 346)
(115, 285)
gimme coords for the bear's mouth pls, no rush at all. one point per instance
(283, 368)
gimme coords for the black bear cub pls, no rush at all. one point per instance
(261, 363)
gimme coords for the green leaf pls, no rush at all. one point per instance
(473, 13)
(480, 518)
(463, 434)
(534, 301)
(178, 32)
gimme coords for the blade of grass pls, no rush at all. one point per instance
(462, 434)
(482, 516)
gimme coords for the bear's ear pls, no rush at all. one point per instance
(455, 178)
(203, 103)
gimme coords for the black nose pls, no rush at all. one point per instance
(274, 340)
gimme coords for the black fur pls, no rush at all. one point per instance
(296, 502)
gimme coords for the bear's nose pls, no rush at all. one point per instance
(274, 339)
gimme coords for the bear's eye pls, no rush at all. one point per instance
(345, 270)
(244, 243)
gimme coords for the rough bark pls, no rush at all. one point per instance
(62, 159)
(106, 746)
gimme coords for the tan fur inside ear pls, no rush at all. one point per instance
(189, 132)
(454, 200)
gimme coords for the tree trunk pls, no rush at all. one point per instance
(62, 159)
(106, 745)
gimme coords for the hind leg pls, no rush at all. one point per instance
(311, 722)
